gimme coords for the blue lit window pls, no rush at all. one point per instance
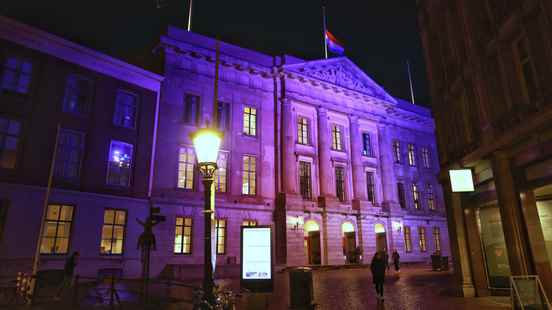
(78, 94)
(120, 163)
(10, 132)
(69, 155)
(125, 109)
(16, 76)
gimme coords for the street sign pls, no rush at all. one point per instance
(256, 258)
(461, 180)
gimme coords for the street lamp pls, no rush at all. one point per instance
(207, 143)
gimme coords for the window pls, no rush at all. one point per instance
(340, 183)
(371, 188)
(249, 223)
(527, 70)
(336, 138)
(430, 197)
(407, 239)
(437, 238)
(221, 236)
(221, 185)
(120, 163)
(401, 194)
(78, 94)
(305, 180)
(57, 229)
(223, 115)
(249, 175)
(303, 131)
(250, 121)
(17, 75)
(367, 145)
(416, 196)
(421, 233)
(113, 232)
(10, 132)
(186, 161)
(411, 155)
(426, 159)
(192, 112)
(397, 151)
(183, 235)
(125, 109)
(69, 155)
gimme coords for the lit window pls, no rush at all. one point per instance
(430, 197)
(305, 180)
(120, 163)
(426, 158)
(437, 238)
(125, 109)
(401, 194)
(527, 70)
(340, 183)
(249, 175)
(192, 112)
(186, 161)
(249, 223)
(113, 232)
(221, 173)
(416, 196)
(183, 235)
(17, 75)
(397, 151)
(223, 115)
(57, 229)
(78, 94)
(367, 145)
(10, 132)
(221, 236)
(302, 130)
(336, 138)
(422, 234)
(411, 155)
(250, 121)
(407, 239)
(371, 188)
(69, 155)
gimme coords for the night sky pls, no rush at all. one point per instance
(379, 36)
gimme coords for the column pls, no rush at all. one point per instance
(359, 181)
(510, 214)
(536, 240)
(324, 158)
(458, 239)
(386, 166)
(289, 164)
(475, 253)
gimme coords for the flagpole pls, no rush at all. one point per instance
(410, 82)
(190, 16)
(324, 31)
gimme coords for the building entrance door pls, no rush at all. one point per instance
(381, 238)
(313, 247)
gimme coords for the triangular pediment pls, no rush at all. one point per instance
(341, 72)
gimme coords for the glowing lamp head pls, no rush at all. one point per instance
(206, 143)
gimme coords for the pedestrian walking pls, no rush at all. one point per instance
(378, 273)
(396, 260)
(386, 259)
(68, 271)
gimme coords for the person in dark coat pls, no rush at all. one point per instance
(378, 267)
(68, 271)
(396, 260)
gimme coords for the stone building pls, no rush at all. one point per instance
(316, 149)
(489, 67)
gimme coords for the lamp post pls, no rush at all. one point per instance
(206, 143)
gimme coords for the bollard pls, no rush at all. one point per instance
(76, 292)
(300, 288)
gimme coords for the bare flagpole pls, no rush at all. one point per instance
(36, 257)
(190, 16)
(324, 31)
(410, 82)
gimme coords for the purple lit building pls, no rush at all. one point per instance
(316, 149)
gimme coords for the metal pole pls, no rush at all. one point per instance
(208, 212)
(410, 82)
(324, 32)
(215, 95)
(190, 16)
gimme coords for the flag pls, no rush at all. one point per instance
(334, 45)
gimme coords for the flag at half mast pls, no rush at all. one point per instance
(334, 46)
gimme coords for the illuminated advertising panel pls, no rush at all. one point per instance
(461, 180)
(256, 258)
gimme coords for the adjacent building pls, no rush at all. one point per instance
(315, 149)
(490, 70)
